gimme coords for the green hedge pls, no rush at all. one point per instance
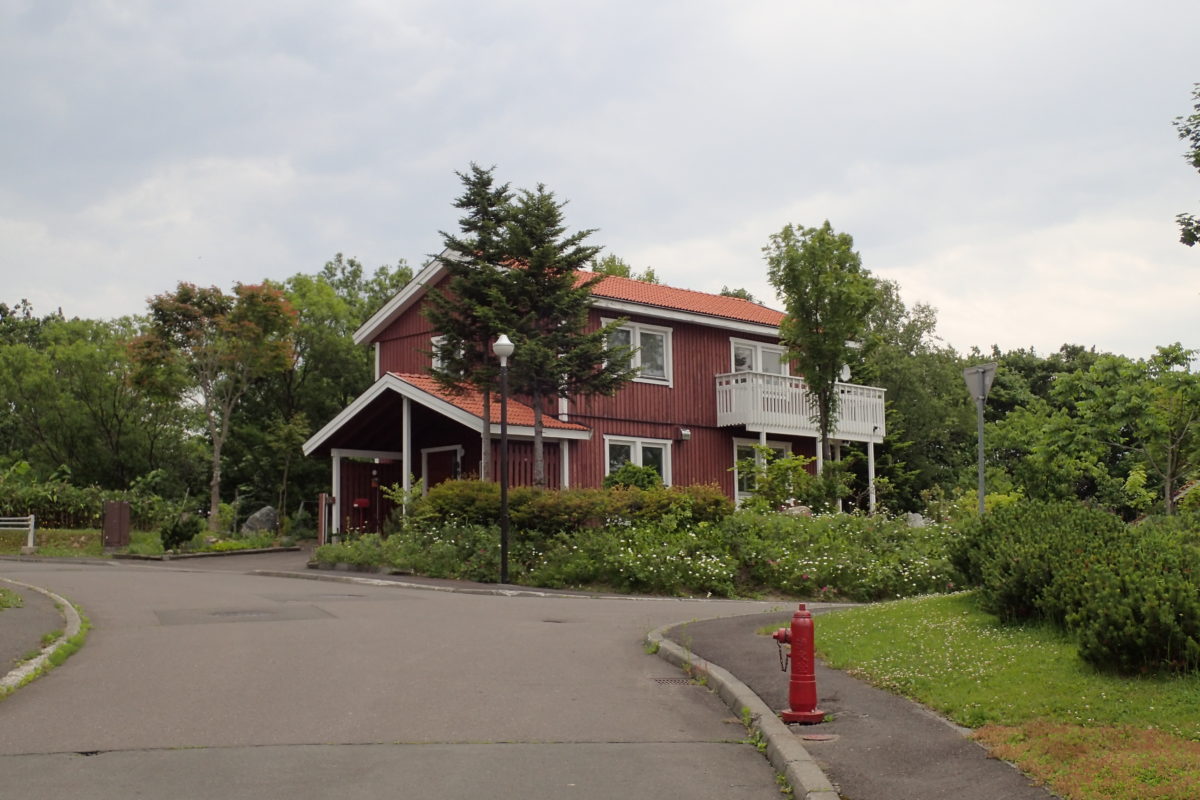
(62, 505)
(549, 512)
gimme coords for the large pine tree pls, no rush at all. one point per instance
(556, 356)
(472, 309)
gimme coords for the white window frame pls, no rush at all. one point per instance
(636, 443)
(435, 344)
(759, 349)
(635, 336)
(425, 453)
(773, 444)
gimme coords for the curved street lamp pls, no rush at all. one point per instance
(503, 348)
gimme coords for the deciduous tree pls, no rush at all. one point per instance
(207, 346)
(828, 296)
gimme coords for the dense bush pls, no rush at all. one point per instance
(1142, 610)
(631, 475)
(840, 555)
(1025, 556)
(179, 529)
(1129, 594)
(549, 512)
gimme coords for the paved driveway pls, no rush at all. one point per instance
(199, 680)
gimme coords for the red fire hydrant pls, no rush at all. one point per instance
(802, 687)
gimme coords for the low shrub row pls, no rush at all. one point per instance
(62, 505)
(831, 557)
(1129, 594)
(548, 512)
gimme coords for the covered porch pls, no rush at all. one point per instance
(405, 430)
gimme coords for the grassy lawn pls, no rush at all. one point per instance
(1032, 701)
(52, 542)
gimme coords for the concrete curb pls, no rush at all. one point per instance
(17, 676)
(364, 579)
(203, 554)
(785, 753)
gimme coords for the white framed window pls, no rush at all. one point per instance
(436, 343)
(436, 346)
(744, 449)
(653, 453)
(652, 346)
(748, 356)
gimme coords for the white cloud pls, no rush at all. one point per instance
(995, 155)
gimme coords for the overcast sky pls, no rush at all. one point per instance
(1011, 163)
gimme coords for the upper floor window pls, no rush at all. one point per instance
(751, 356)
(652, 346)
(438, 343)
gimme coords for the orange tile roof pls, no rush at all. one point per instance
(471, 401)
(655, 294)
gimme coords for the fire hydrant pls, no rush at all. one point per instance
(802, 687)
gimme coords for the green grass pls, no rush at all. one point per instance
(10, 599)
(948, 654)
(1087, 734)
(54, 542)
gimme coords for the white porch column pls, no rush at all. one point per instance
(564, 463)
(406, 448)
(871, 477)
(336, 460)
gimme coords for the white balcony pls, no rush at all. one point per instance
(781, 404)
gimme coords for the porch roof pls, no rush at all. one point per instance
(371, 422)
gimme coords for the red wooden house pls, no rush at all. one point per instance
(713, 382)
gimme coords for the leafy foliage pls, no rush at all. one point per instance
(779, 482)
(630, 474)
(614, 265)
(1189, 131)
(827, 295)
(1127, 593)
(681, 540)
(203, 341)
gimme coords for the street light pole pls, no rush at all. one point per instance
(503, 348)
(979, 383)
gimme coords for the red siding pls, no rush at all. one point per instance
(405, 344)
(639, 410)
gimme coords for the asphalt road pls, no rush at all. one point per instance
(201, 681)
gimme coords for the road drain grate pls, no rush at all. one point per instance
(673, 681)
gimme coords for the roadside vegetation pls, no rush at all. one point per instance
(1087, 734)
(88, 543)
(671, 541)
(10, 599)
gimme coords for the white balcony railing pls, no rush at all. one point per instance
(781, 404)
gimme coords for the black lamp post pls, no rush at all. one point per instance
(503, 348)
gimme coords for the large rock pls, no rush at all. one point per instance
(265, 519)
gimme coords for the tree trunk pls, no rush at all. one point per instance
(214, 488)
(539, 454)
